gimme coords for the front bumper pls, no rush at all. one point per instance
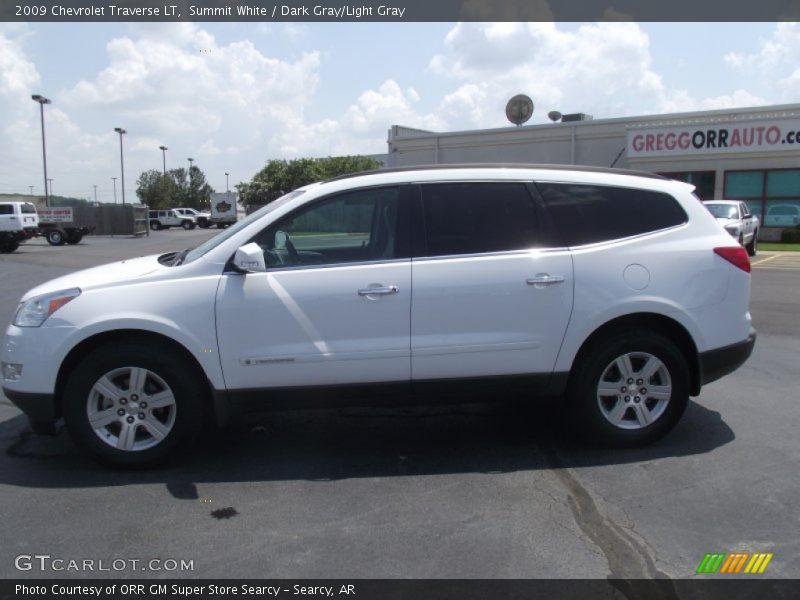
(722, 361)
(38, 407)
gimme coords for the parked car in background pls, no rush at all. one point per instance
(18, 222)
(735, 217)
(615, 291)
(203, 219)
(782, 215)
(164, 219)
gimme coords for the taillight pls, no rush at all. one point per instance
(736, 255)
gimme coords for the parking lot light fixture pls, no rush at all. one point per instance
(191, 192)
(121, 132)
(164, 156)
(42, 101)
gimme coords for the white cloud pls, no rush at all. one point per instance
(774, 65)
(604, 69)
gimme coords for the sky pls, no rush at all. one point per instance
(234, 95)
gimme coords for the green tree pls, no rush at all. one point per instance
(176, 188)
(280, 176)
(153, 189)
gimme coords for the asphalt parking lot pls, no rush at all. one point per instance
(479, 491)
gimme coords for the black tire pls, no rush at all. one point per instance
(204, 224)
(165, 372)
(9, 247)
(187, 225)
(752, 247)
(56, 237)
(155, 225)
(588, 409)
(74, 238)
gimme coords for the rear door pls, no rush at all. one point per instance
(492, 296)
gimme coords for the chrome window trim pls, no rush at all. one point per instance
(521, 252)
(361, 263)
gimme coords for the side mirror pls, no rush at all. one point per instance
(250, 259)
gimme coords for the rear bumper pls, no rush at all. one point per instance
(38, 407)
(722, 361)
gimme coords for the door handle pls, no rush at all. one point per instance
(378, 290)
(545, 280)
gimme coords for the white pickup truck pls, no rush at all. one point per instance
(735, 217)
(18, 222)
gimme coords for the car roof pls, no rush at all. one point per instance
(501, 166)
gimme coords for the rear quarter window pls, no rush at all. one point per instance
(588, 214)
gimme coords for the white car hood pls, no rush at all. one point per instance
(104, 275)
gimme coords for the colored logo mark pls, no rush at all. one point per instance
(735, 562)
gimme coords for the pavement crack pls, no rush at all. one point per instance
(632, 569)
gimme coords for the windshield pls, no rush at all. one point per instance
(234, 229)
(723, 211)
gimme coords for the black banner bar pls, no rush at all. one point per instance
(398, 10)
(733, 588)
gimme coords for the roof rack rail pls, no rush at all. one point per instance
(579, 168)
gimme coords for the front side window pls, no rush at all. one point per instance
(359, 226)
(588, 214)
(478, 217)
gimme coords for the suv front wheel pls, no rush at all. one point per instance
(131, 404)
(629, 391)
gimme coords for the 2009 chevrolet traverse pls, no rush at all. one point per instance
(615, 290)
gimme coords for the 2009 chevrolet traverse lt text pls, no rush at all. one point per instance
(616, 291)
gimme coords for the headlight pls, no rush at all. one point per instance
(35, 311)
(732, 229)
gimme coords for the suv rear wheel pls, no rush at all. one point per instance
(131, 404)
(629, 391)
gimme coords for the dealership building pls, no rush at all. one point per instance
(751, 154)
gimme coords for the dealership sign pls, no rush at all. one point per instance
(55, 215)
(715, 138)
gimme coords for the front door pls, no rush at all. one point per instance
(334, 304)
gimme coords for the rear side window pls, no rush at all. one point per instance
(6, 209)
(587, 214)
(473, 218)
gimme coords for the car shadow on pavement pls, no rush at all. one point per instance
(328, 445)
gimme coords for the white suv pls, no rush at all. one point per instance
(614, 290)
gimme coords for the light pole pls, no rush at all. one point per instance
(95, 193)
(191, 192)
(115, 189)
(42, 101)
(121, 132)
(31, 187)
(227, 189)
(164, 156)
(47, 195)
